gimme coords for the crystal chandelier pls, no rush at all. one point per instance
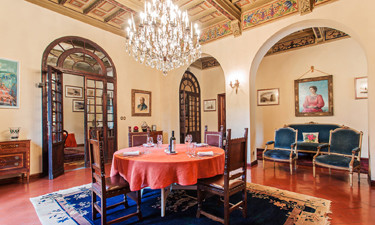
(164, 38)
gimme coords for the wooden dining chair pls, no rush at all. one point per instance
(107, 187)
(232, 182)
(214, 138)
(137, 138)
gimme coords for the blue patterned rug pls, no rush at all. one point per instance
(266, 205)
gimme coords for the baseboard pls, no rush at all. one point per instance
(253, 163)
(80, 145)
(372, 183)
(18, 178)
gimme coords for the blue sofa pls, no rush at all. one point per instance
(323, 137)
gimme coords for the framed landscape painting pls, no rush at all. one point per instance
(209, 105)
(141, 103)
(9, 84)
(268, 97)
(73, 91)
(78, 105)
(361, 88)
(314, 96)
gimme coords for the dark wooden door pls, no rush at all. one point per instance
(55, 122)
(222, 120)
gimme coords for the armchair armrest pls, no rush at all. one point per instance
(293, 144)
(270, 142)
(355, 150)
(318, 149)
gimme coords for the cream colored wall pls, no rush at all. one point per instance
(74, 122)
(212, 84)
(344, 59)
(26, 35)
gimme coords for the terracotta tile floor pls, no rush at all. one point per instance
(349, 206)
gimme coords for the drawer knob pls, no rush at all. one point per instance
(16, 164)
(17, 157)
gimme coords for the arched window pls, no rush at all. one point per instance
(190, 107)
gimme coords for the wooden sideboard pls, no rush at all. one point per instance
(15, 158)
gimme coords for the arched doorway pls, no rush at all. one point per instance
(77, 56)
(190, 107)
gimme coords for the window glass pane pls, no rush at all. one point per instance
(99, 84)
(90, 83)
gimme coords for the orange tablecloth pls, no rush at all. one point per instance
(159, 170)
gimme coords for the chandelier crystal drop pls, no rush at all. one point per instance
(164, 38)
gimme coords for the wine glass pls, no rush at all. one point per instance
(150, 141)
(160, 140)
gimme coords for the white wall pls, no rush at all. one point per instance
(344, 59)
(26, 35)
(74, 122)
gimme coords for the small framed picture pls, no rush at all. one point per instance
(141, 103)
(9, 83)
(268, 97)
(73, 91)
(361, 88)
(153, 128)
(209, 105)
(78, 105)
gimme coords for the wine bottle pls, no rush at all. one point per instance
(172, 143)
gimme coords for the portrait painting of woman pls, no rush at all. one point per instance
(314, 96)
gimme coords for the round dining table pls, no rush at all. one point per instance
(156, 169)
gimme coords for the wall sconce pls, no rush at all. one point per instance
(235, 85)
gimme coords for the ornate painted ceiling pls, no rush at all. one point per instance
(216, 18)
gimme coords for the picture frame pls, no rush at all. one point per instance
(209, 105)
(73, 91)
(78, 105)
(153, 128)
(314, 96)
(9, 83)
(141, 103)
(361, 87)
(267, 97)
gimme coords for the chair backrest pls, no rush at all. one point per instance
(344, 140)
(321, 128)
(235, 158)
(285, 137)
(138, 138)
(214, 138)
(97, 162)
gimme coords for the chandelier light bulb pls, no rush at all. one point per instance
(164, 38)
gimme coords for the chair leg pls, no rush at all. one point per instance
(264, 165)
(93, 209)
(226, 209)
(351, 178)
(103, 209)
(291, 168)
(244, 199)
(126, 201)
(359, 175)
(139, 199)
(314, 169)
(199, 200)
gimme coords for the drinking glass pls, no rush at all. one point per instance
(150, 140)
(160, 140)
(194, 149)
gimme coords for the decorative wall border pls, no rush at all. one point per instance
(216, 31)
(269, 12)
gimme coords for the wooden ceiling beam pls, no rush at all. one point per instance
(92, 6)
(118, 12)
(226, 8)
(62, 2)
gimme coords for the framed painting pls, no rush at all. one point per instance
(141, 103)
(361, 88)
(9, 84)
(314, 96)
(209, 105)
(78, 105)
(268, 97)
(73, 91)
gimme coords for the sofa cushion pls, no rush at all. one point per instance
(278, 154)
(323, 130)
(336, 160)
(301, 145)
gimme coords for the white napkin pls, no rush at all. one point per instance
(148, 145)
(130, 153)
(201, 144)
(210, 153)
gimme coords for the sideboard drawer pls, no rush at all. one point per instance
(9, 146)
(13, 161)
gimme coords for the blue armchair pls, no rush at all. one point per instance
(344, 152)
(284, 147)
